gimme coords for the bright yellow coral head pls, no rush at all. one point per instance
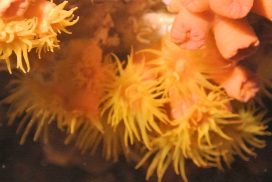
(203, 128)
(209, 134)
(33, 25)
(133, 100)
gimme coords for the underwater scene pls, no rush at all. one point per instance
(135, 90)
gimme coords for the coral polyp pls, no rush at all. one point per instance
(52, 23)
(36, 30)
(38, 109)
(214, 141)
(82, 78)
(134, 100)
(17, 37)
(61, 91)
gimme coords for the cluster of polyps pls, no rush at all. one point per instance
(226, 21)
(166, 102)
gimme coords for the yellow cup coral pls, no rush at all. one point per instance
(39, 108)
(17, 37)
(65, 91)
(209, 135)
(34, 29)
(133, 99)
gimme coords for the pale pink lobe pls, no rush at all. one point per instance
(233, 9)
(263, 8)
(4, 5)
(40, 9)
(167, 2)
(235, 40)
(13, 8)
(196, 6)
(179, 105)
(173, 6)
(189, 30)
(241, 84)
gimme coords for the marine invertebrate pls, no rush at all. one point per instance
(31, 28)
(17, 37)
(231, 9)
(198, 26)
(226, 19)
(13, 8)
(165, 101)
(203, 126)
(37, 109)
(52, 20)
(209, 134)
(263, 8)
(185, 141)
(133, 99)
(67, 92)
(238, 81)
(83, 82)
(245, 46)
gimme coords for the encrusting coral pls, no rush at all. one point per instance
(27, 25)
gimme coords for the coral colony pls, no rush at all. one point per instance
(173, 80)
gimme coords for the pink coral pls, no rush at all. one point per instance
(238, 81)
(263, 8)
(235, 40)
(232, 35)
(225, 18)
(13, 8)
(190, 30)
(41, 10)
(231, 8)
